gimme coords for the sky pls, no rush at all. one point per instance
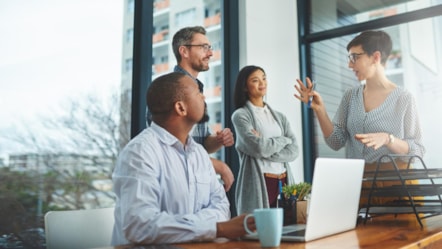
(52, 50)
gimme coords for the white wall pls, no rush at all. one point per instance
(268, 38)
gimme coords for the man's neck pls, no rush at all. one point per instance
(181, 131)
(189, 71)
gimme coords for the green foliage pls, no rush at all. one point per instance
(299, 190)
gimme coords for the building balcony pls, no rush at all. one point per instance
(160, 36)
(212, 92)
(216, 55)
(212, 20)
(160, 68)
(159, 5)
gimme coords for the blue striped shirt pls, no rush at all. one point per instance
(166, 192)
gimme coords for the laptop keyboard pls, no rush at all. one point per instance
(294, 230)
(295, 233)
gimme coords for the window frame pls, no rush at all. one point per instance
(142, 72)
(306, 38)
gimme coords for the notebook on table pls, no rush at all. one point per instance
(334, 200)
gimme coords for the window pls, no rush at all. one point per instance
(412, 65)
(185, 18)
(341, 13)
(129, 35)
(128, 65)
(61, 79)
(130, 6)
(186, 15)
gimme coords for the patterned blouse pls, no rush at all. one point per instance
(398, 115)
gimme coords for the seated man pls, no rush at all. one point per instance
(167, 190)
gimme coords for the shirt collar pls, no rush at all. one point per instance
(169, 139)
(181, 70)
(254, 107)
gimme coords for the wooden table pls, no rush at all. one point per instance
(381, 232)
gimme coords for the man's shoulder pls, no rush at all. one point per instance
(146, 136)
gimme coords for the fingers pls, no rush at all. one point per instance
(308, 84)
(370, 143)
(301, 95)
(225, 137)
(251, 224)
(370, 140)
(233, 228)
(304, 90)
(364, 138)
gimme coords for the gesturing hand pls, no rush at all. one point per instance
(375, 140)
(304, 90)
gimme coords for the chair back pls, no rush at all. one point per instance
(79, 229)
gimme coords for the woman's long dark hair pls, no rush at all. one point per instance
(241, 95)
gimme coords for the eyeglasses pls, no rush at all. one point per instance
(354, 57)
(205, 47)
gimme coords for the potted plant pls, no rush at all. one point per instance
(298, 191)
(294, 202)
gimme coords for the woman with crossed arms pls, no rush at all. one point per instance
(264, 141)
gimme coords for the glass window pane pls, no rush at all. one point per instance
(338, 13)
(414, 64)
(172, 15)
(60, 70)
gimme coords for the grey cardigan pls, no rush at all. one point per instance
(251, 191)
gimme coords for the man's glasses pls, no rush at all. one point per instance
(354, 57)
(205, 47)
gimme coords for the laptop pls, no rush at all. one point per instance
(334, 200)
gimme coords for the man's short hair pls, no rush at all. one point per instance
(164, 92)
(185, 36)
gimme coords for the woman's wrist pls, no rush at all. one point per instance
(391, 139)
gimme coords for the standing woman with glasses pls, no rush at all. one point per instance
(375, 118)
(264, 141)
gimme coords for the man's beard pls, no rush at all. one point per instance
(200, 67)
(205, 117)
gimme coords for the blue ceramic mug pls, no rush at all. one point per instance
(269, 223)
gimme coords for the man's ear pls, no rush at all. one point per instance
(184, 52)
(180, 108)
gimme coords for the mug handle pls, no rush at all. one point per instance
(245, 223)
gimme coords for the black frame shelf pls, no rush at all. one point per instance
(422, 199)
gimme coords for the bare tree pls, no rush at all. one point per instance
(62, 164)
(74, 150)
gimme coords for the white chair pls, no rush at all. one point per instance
(79, 229)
